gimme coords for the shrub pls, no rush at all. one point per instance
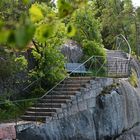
(133, 79)
(50, 65)
(91, 48)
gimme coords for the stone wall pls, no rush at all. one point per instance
(97, 112)
(92, 115)
(84, 99)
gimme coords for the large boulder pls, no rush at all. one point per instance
(72, 51)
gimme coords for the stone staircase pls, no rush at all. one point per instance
(51, 103)
(117, 63)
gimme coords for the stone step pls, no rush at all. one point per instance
(42, 109)
(53, 101)
(76, 85)
(116, 54)
(33, 113)
(79, 78)
(49, 105)
(33, 118)
(67, 89)
(57, 97)
(115, 51)
(64, 92)
(75, 81)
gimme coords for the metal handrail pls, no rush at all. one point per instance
(129, 47)
(95, 60)
(53, 86)
(31, 99)
(67, 76)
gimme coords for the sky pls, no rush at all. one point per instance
(136, 2)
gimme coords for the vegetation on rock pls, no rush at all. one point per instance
(94, 24)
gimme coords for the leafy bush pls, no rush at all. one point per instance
(97, 63)
(133, 79)
(12, 110)
(50, 65)
(88, 33)
(13, 74)
(87, 26)
(91, 48)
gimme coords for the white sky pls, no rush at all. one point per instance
(136, 2)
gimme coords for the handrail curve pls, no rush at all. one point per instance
(129, 47)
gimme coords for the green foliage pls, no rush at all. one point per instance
(133, 79)
(88, 32)
(93, 48)
(71, 30)
(37, 92)
(21, 62)
(64, 8)
(6, 68)
(8, 110)
(12, 74)
(18, 34)
(117, 17)
(50, 64)
(23, 34)
(44, 32)
(87, 26)
(50, 26)
(12, 110)
(97, 63)
(138, 13)
(67, 7)
(35, 13)
(10, 65)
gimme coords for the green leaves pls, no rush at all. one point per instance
(35, 13)
(26, 1)
(138, 13)
(4, 35)
(71, 30)
(36, 55)
(44, 32)
(23, 35)
(50, 64)
(21, 62)
(64, 8)
(19, 37)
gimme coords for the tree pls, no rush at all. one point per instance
(88, 31)
(116, 17)
(138, 31)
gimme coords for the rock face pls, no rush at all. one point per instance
(132, 134)
(72, 51)
(114, 113)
